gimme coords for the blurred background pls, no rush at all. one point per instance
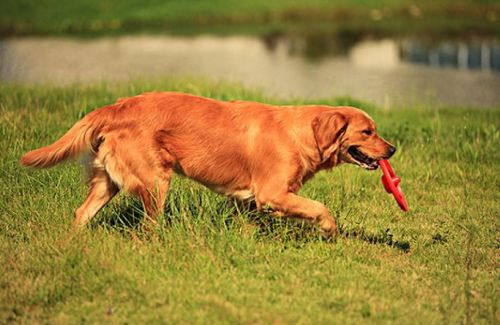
(390, 52)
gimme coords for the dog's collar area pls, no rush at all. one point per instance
(361, 159)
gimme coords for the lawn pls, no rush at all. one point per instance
(211, 263)
(28, 17)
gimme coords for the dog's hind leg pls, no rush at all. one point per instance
(140, 168)
(153, 194)
(102, 189)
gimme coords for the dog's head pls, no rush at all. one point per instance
(347, 134)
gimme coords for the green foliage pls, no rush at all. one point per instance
(111, 16)
(209, 262)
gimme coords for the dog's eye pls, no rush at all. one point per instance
(367, 132)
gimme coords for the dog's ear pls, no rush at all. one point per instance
(328, 129)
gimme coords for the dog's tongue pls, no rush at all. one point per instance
(391, 184)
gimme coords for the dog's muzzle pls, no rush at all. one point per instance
(361, 159)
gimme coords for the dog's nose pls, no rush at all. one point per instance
(391, 151)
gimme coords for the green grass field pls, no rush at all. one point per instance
(28, 17)
(210, 263)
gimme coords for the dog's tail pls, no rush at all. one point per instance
(83, 136)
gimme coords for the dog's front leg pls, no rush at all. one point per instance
(292, 205)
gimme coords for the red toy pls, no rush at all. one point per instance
(391, 184)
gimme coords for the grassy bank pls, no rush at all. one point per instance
(209, 263)
(28, 17)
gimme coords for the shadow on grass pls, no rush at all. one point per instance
(130, 216)
(302, 232)
(124, 217)
(380, 237)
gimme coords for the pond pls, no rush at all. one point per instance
(385, 70)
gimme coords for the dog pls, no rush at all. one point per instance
(244, 150)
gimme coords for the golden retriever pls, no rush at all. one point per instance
(245, 150)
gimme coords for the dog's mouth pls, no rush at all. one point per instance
(361, 159)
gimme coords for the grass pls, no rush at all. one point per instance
(210, 263)
(27, 17)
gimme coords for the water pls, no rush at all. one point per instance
(386, 71)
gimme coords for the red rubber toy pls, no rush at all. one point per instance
(391, 184)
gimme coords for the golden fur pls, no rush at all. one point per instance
(244, 150)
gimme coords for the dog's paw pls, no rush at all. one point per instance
(329, 230)
(329, 237)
